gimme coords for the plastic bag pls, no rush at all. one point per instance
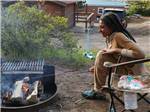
(128, 82)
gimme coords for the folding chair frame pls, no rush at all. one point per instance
(112, 107)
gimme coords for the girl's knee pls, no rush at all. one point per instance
(100, 55)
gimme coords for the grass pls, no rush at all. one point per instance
(71, 59)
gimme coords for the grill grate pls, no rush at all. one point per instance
(23, 67)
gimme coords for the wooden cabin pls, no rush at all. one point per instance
(53, 7)
(61, 8)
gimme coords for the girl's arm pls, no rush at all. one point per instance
(127, 48)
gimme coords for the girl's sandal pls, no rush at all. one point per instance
(91, 94)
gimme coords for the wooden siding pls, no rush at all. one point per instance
(67, 10)
(53, 9)
(70, 14)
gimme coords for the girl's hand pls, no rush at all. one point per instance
(111, 51)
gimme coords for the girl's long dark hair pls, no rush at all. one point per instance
(112, 21)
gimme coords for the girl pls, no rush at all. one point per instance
(119, 42)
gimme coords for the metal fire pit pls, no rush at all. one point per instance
(35, 69)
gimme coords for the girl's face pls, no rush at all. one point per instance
(106, 31)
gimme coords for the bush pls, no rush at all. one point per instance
(139, 7)
(28, 31)
(81, 4)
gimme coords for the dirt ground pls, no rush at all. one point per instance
(71, 83)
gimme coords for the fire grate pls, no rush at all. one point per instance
(23, 67)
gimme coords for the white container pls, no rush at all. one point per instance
(130, 100)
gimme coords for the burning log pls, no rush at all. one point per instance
(18, 92)
(23, 93)
(36, 93)
(25, 88)
(6, 96)
(33, 97)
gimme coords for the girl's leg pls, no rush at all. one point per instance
(100, 72)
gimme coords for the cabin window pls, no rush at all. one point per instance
(100, 10)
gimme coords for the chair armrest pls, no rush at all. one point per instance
(111, 65)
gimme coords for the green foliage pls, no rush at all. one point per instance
(139, 7)
(28, 32)
(74, 60)
(81, 4)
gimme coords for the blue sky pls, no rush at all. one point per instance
(105, 2)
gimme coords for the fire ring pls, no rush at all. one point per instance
(33, 107)
(46, 73)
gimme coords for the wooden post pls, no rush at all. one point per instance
(75, 14)
(86, 25)
(86, 10)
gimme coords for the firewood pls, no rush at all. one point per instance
(25, 89)
(6, 96)
(33, 97)
(18, 94)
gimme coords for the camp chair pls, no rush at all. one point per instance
(113, 89)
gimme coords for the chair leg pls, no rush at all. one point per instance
(112, 107)
(127, 110)
(117, 98)
(143, 97)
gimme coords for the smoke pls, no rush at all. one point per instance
(7, 81)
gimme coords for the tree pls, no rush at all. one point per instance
(140, 7)
(81, 4)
